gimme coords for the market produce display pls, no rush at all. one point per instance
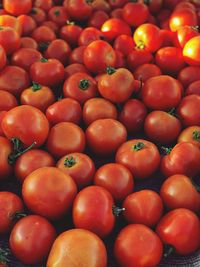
(99, 133)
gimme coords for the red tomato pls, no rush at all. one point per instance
(5, 150)
(66, 109)
(124, 43)
(3, 58)
(27, 23)
(76, 55)
(9, 39)
(79, 247)
(31, 161)
(190, 134)
(133, 153)
(70, 33)
(104, 136)
(38, 15)
(60, 191)
(161, 92)
(17, 8)
(180, 228)
(184, 34)
(52, 25)
(79, 166)
(11, 208)
(74, 68)
(138, 57)
(28, 42)
(96, 216)
(88, 35)
(32, 233)
(7, 101)
(177, 191)
(116, 178)
(193, 88)
(44, 4)
(191, 51)
(79, 10)
(98, 17)
(64, 138)
(11, 21)
(188, 75)
(183, 159)
(146, 71)
(162, 127)
(138, 246)
(106, 56)
(58, 14)
(144, 207)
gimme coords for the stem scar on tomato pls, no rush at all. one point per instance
(69, 162)
(84, 84)
(196, 135)
(116, 210)
(138, 146)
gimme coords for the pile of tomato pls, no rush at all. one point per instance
(99, 100)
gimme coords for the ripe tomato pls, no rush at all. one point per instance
(7, 101)
(74, 68)
(70, 33)
(44, 4)
(64, 138)
(58, 14)
(188, 75)
(93, 210)
(11, 207)
(122, 79)
(27, 24)
(140, 156)
(79, 10)
(98, 17)
(193, 88)
(138, 246)
(146, 71)
(60, 191)
(124, 43)
(26, 123)
(38, 14)
(144, 207)
(138, 57)
(9, 39)
(5, 150)
(17, 8)
(11, 21)
(190, 134)
(161, 93)
(104, 136)
(76, 55)
(88, 35)
(66, 109)
(31, 161)
(43, 35)
(183, 159)
(180, 228)
(116, 178)
(184, 34)
(79, 166)
(162, 127)
(32, 233)
(106, 56)
(28, 42)
(177, 191)
(191, 51)
(79, 247)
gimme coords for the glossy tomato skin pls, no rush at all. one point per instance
(60, 191)
(193, 88)
(98, 18)
(184, 34)
(79, 166)
(6, 149)
(32, 232)
(190, 134)
(176, 224)
(146, 71)
(188, 75)
(27, 23)
(7, 101)
(161, 93)
(27, 123)
(70, 33)
(73, 68)
(10, 205)
(191, 51)
(82, 248)
(9, 39)
(144, 207)
(177, 191)
(58, 14)
(64, 138)
(92, 210)
(145, 247)
(104, 136)
(116, 178)
(138, 57)
(31, 161)
(124, 43)
(79, 9)
(132, 154)
(183, 159)
(14, 8)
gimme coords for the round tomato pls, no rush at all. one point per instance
(124, 43)
(188, 75)
(98, 17)
(88, 35)
(58, 14)
(79, 10)
(7, 101)
(27, 24)
(184, 34)
(191, 51)
(146, 71)
(193, 88)
(70, 33)
(190, 134)
(17, 8)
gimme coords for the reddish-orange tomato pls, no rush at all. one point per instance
(79, 247)
(138, 57)
(44, 4)
(73, 68)
(190, 134)
(70, 33)
(9, 39)
(27, 24)
(7, 101)
(28, 42)
(43, 34)
(88, 35)
(38, 14)
(11, 21)
(58, 14)
(16, 8)
(191, 51)
(146, 71)
(98, 17)
(184, 34)
(124, 43)
(188, 75)
(79, 10)
(193, 88)
(76, 55)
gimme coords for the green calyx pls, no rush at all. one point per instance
(57, 13)
(110, 70)
(69, 162)
(196, 135)
(84, 84)
(43, 60)
(36, 86)
(4, 254)
(138, 146)
(116, 210)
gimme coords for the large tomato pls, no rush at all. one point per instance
(191, 51)
(190, 134)
(16, 8)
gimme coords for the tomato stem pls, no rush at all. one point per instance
(110, 70)
(168, 250)
(69, 162)
(36, 86)
(196, 135)
(68, 22)
(4, 254)
(140, 45)
(138, 146)
(43, 59)
(84, 84)
(166, 150)
(116, 210)
(172, 112)
(18, 215)
(57, 13)
(33, 11)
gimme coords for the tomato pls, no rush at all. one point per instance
(188, 75)
(49, 72)
(27, 23)
(64, 138)
(73, 68)
(116, 178)
(88, 35)
(191, 51)
(79, 166)
(184, 34)
(31, 161)
(122, 79)
(38, 15)
(140, 156)
(114, 27)
(58, 14)
(28, 42)
(60, 191)
(177, 191)
(43, 34)
(98, 108)
(66, 109)
(32, 233)
(97, 18)
(80, 86)
(138, 57)
(161, 92)
(11, 21)
(154, 6)
(190, 134)
(76, 55)
(44, 4)
(135, 14)
(9, 39)
(25, 57)
(180, 228)
(104, 136)
(93, 210)
(146, 71)
(101, 5)
(27, 123)
(51, 24)
(117, 13)
(147, 36)
(7, 101)
(162, 127)
(15, 8)
(5, 150)
(70, 33)
(143, 207)
(78, 247)
(187, 110)
(11, 208)
(138, 246)
(117, 3)
(183, 159)
(106, 56)
(2, 114)
(193, 88)
(79, 10)
(124, 43)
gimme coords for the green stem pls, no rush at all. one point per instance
(138, 146)
(36, 86)
(69, 162)
(172, 112)
(57, 13)
(33, 11)
(4, 254)
(110, 70)
(168, 250)
(196, 135)
(116, 210)
(140, 45)
(166, 150)
(43, 60)
(18, 215)
(84, 84)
